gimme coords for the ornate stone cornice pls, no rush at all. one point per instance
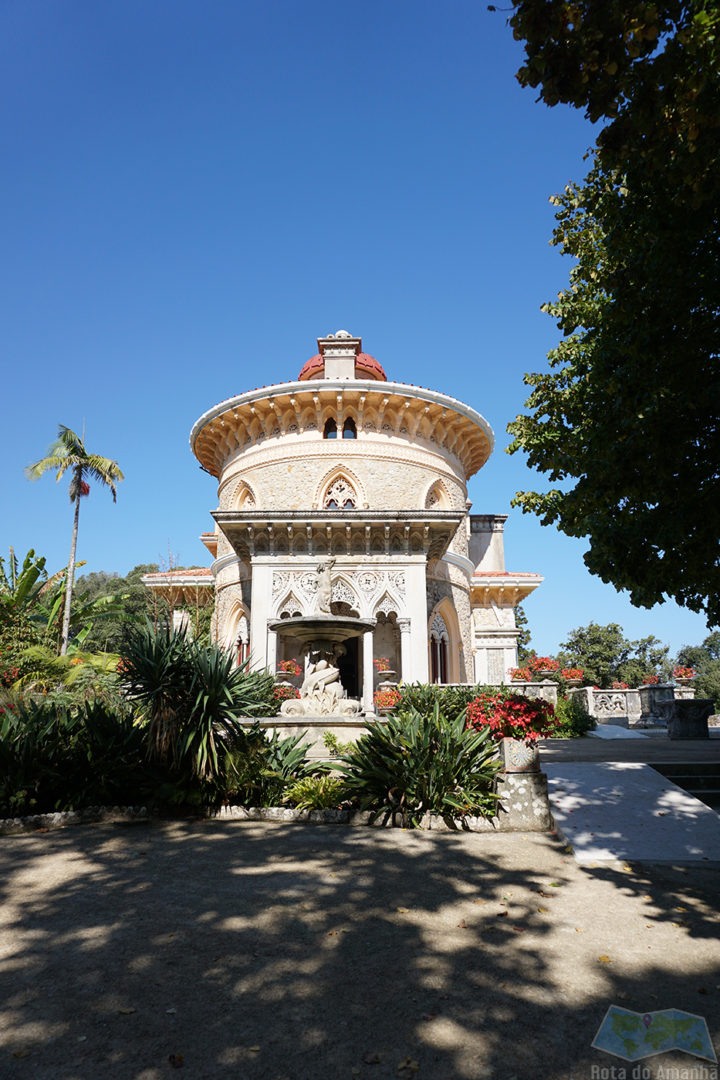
(421, 416)
(503, 589)
(349, 532)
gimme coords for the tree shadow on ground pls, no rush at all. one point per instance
(275, 952)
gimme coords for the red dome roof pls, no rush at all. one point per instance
(314, 365)
(366, 367)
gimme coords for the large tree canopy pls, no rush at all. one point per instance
(627, 420)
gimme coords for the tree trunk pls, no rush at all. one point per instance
(69, 580)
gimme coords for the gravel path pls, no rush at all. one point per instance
(271, 952)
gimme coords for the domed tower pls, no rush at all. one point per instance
(345, 464)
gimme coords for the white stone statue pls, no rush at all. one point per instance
(324, 591)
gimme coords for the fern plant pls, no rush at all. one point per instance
(321, 792)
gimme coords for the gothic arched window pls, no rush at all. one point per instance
(330, 429)
(349, 429)
(340, 496)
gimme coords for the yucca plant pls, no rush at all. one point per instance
(192, 700)
(157, 674)
(422, 762)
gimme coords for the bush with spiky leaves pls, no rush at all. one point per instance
(192, 701)
(422, 762)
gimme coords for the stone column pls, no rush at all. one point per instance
(272, 650)
(404, 627)
(368, 671)
(416, 601)
(260, 612)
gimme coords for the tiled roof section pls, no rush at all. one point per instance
(503, 573)
(169, 575)
(366, 367)
(314, 364)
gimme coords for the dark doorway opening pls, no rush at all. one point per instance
(348, 665)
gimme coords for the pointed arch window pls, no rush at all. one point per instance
(330, 430)
(349, 430)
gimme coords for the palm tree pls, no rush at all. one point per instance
(68, 454)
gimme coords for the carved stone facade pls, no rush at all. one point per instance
(343, 462)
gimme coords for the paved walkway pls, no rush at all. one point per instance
(610, 805)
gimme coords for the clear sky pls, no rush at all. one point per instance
(194, 191)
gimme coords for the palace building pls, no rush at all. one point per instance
(343, 466)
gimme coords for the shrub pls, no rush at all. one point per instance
(572, 721)
(333, 745)
(60, 759)
(321, 792)
(283, 692)
(422, 762)
(261, 767)
(424, 696)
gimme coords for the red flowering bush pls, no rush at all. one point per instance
(381, 663)
(285, 691)
(289, 667)
(387, 699)
(572, 673)
(651, 680)
(520, 674)
(9, 675)
(681, 672)
(619, 686)
(512, 716)
(543, 663)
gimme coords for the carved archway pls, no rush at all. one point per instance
(236, 638)
(243, 497)
(437, 497)
(443, 644)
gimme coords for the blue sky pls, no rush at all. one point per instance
(194, 192)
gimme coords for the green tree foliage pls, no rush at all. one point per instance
(69, 455)
(626, 424)
(136, 604)
(524, 637)
(20, 588)
(607, 656)
(705, 659)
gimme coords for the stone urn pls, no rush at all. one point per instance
(519, 756)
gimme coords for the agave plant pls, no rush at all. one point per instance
(422, 762)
